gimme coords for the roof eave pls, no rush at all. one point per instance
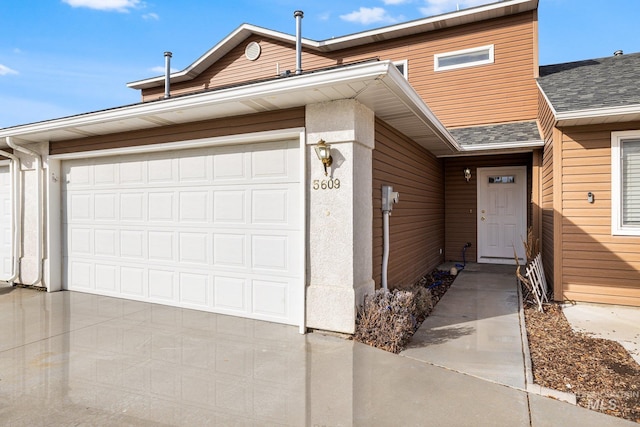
(367, 83)
(494, 149)
(594, 116)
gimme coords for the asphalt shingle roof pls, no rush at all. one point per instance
(497, 134)
(595, 83)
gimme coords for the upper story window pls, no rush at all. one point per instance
(402, 66)
(463, 58)
(625, 183)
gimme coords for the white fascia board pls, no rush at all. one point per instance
(361, 72)
(588, 115)
(503, 146)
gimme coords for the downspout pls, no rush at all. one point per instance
(40, 220)
(16, 235)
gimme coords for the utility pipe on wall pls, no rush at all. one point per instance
(40, 220)
(389, 197)
(16, 229)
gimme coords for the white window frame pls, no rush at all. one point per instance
(437, 56)
(617, 227)
(405, 67)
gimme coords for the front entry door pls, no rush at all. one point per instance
(502, 219)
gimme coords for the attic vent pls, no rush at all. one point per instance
(252, 51)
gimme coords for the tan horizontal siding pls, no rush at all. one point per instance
(417, 221)
(500, 92)
(596, 265)
(291, 118)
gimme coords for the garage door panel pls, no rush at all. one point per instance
(230, 251)
(215, 229)
(163, 285)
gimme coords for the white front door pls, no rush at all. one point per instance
(6, 219)
(502, 219)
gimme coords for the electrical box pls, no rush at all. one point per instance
(389, 197)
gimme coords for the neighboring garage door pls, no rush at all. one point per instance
(215, 229)
(6, 258)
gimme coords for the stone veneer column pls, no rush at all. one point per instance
(340, 220)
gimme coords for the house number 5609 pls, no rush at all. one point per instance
(326, 184)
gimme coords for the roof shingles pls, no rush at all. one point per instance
(591, 84)
(502, 133)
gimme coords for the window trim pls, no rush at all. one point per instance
(491, 60)
(617, 227)
(405, 67)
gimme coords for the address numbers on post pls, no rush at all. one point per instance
(326, 184)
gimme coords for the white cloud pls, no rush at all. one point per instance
(369, 15)
(107, 5)
(160, 70)
(151, 16)
(5, 71)
(436, 7)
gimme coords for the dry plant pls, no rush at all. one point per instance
(531, 245)
(388, 319)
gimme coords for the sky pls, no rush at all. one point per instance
(65, 57)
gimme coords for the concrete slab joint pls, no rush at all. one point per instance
(340, 214)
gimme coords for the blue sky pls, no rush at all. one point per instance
(66, 57)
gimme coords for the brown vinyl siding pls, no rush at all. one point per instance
(546, 122)
(417, 222)
(500, 92)
(596, 265)
(283, 119)
(461, 200)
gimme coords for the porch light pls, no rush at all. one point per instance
(323, 151)
(467, 174)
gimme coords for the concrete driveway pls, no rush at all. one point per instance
(78, 359)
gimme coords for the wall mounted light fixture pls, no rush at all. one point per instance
(323, 151)
(467, 174)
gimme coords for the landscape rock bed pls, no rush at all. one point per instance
(601, 373)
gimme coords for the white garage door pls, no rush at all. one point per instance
(5, 223)
(214, 229)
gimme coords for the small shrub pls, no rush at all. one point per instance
(387, 320)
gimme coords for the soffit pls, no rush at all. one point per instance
(378, 85)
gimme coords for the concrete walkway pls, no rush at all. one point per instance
(475, 328)
(611, 322)
(69, 358)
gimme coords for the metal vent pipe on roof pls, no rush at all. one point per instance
(167, 74)
(618, 53)
(298, 14)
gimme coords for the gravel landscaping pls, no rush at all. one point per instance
(601, 373)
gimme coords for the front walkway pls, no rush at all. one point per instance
(475, 328)
(69, 358)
